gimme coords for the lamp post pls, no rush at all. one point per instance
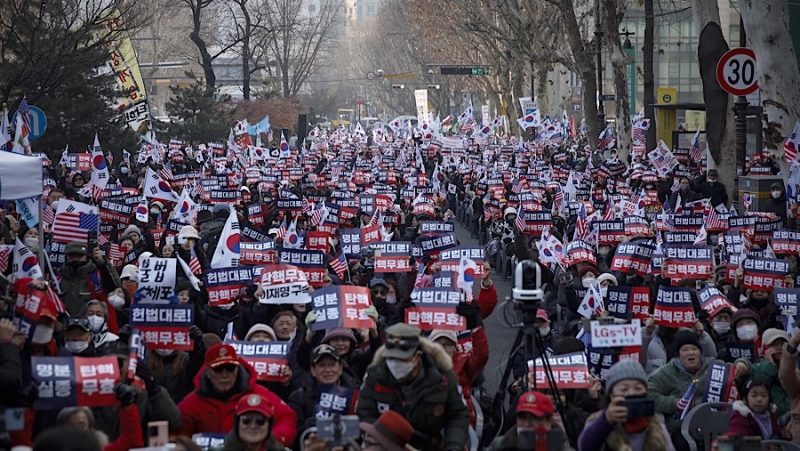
(598, 37)
(630, 52)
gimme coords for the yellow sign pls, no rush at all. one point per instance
(666, 118)
(695, 120)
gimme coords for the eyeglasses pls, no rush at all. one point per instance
(229, 368)
(402, 343)
(259, 420)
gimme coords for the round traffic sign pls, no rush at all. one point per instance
(37, 120)
(736, 71)
(370, 75)
(666, 98)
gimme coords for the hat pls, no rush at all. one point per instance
(743, 313)
(442, 333)
(378, 281)
(254, 403)
(713, 173)
(130, 272)
(391, 430)
(77, 321)
(625, 370)
(273, 231)
(542, 315)
(776, 185)
(772, 334)
(260, 328)
(583, 270)
(75, 247)
(606, 277)
(402, 341)
(204, 216)
(686, 337)
(535, 403)
(509, 211)
(132, 229)
(188, 231)
(220, 354)
(339, 332)
(323, 351)
(157, 204)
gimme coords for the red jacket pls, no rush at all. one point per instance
(742, 423)
(130, 430)
(468, 366)
(203, 413)
(487, 300)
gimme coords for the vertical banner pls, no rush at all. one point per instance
(719, 384)
(421, 99)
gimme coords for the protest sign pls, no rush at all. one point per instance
(317, 241)
(350, 241)
(786, 242)
(435, 227)
(164, 326)
(270, 359)
(764, 274)
(451, 258)
(434, 245)
(570, 371)
(225, 285)
(312, 263)
(688, 262)
(342, 306)
(616, 335)
(283, 284)
(787, 300)
(258, 253)
(74, 381)
(537, 221)
(392, 256)
(206, 441)
(609, 233)
(687, 223)
(674, 307)
(157, 279)
(624, 301)
(580, 252)
(743, 350)
(636, 226)
(632, 257)
(719, 384)
(712, 301)
(334, 400)
(435, 308)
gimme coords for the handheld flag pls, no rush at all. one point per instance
(227, 253)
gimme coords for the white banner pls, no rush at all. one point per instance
(421, 97)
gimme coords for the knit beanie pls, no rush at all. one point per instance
(686, 337)
(624, 370)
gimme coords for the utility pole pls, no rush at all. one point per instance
(740, 111)
(598, 36)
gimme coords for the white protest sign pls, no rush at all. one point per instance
(616, 335)
(157, 279)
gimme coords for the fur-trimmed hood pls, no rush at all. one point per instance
(434, 351)
(743, 410)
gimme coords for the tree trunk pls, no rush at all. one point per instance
(767, 26)
(648, 74)
(542, 96)
(248, 30)
(205, 57)
(619, 63)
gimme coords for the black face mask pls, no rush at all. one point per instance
(75, 264)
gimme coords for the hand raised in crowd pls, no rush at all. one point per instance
(595, 387)
(7, 330)
(311, 318)
(650, 324)
(617, 413)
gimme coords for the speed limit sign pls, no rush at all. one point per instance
(736, 71)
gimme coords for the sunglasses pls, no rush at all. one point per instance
(225, 368)
(405, 344)
(259, 420)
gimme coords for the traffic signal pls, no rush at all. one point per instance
(398, 86)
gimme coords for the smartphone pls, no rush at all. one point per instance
(639, 407)
(347, 426)
(157, 433)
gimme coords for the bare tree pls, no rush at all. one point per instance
(613, 12)
(251, 37)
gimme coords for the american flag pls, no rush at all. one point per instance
(695, 149)
(116, 254)
(520, 222)
(558, 198)
(58, 304)
(640, 131)
(5, 256)
(166, 173)
(608, 214)
(282, 229)
(48, 215)
(790, 144)
(22, 111)
(307, 206)
(316, 215)
(607, 139)
(194, 264)
(72, 226)
(581, 228)
(339, 265)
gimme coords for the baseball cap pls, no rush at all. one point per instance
(391, 430)
(254, 403)
(378, 281)
(542, 315)
(77, 321)
(770, 335)
(535, 403)
(75, 247)
(442, 333)
(221, 354)
(323, 351)
(402, 341)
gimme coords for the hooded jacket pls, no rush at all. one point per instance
(742, 423)
(201, 411)
(431, 402)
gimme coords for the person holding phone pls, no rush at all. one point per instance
(629, 420)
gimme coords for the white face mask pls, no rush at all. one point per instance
(76, 347)
(400, 369)
(543, 331)
(96, 323)
(391, 299)
(164, 352)
(604, 291)
(747, 332)
(587, 282)
(776, 194)
(721, 327)
(32, 242)
(42, 334)
(116, 300)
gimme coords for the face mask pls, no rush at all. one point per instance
(32, 242)
(76, 347)
(748, 332)
(116, 300)
(543, 331)
(776, 194)
(391, 299)
(400, 369)
(721, 327)
(124, 170)
(42, 335)
(604, 291)
(164, 352)
(587, 282)
(96, 323)
(154, 211)
(54, 205)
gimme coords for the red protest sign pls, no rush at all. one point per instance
(317, 241)
(270, 359)
(570, 371)
(75, 381)
(674, 307)
(84, 162)
(764, 274)
(342, 306)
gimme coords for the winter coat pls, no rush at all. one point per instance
(600, 435)
(742, 423)
(86, 282)
(469, 366)
(305, 399)
(767, 371)
(787, 374)
(657, 354)
(204, 411)
(149, 408)
(431, 402)
(130, 433)
(667, 385)
(509, 440)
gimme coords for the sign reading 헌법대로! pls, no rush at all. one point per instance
(570, 371)
(764, 274)
(270, 359)
(435, 308)
(674, 307)
(312, 263)
(164, 326)
(74, 381)
(342, 306)
(688, 262)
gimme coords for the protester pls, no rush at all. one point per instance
(253, 426)
(754, 415)
(534, 417)
(390, 432)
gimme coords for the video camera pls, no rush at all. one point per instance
(527, 293)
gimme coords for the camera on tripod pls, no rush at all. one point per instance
(527, 293)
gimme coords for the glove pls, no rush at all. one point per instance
(125, 394)
(372, 312)
(146, 375)
(195, 333)
(472, 313)
(311, 318)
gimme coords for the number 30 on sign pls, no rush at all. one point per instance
(736, 71)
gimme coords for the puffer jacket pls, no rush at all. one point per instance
(203, 411)
(742, 423)
(600, 435)
(431, 402)
(668, 384)
(81, 284)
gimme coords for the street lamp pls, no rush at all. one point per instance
(629, 51)
(598, 36)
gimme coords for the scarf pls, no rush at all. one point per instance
(764, 421)
(636, 425)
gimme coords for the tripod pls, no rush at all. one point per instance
(527, 339)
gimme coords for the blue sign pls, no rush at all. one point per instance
(37, 120)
